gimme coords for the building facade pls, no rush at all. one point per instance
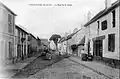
(7, 38)
(21, 43)
(33, 44)
(76, 38)
(80, 40)
(52, 45)
(45, 41)
(103, 34)
(62, 46)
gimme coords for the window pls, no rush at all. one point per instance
(18, 50)
(98, 27)
(113, 18)
(111, 42)
(22, 34)
(9, 23)
(24, 49)
(104, 25)
(10, 49)
(13, 23)
(18, 32)
(98, 24)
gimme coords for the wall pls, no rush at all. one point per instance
(4, 34)
(119, 28)
(109, 30)
(34, 45)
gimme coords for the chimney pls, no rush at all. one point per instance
(107, 3)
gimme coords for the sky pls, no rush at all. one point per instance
(43, 21)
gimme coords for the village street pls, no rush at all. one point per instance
(36, 65)
(60, 39)
(59, 68)
(67, 69)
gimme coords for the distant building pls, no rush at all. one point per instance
(7, 38)
(44, 41)
(76, 38)
(103, 32)
(62, 45)
(52, 45)
(79, 38)
(33, 44)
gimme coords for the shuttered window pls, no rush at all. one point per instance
(10, 49)
(10, 28)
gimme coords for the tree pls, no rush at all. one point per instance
(55, 38)
(74, 47)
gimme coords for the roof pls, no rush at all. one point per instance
(21, 29)
(82, 41)
(62, 39)
(8, 9)
(32, 35)
(103, 12)
(69, 36)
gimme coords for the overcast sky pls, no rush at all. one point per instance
(43, 21)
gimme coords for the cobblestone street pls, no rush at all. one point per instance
(67, 69)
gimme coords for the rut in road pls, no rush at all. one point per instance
(35, 66)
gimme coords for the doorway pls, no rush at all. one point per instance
(98, 48)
